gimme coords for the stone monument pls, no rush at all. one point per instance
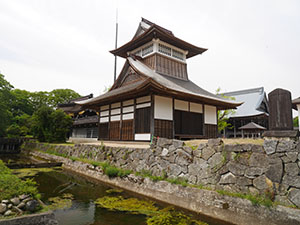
(280, 118)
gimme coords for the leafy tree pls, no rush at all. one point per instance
(21, 103)
(49, 125)
(223, 115)
(5, 97)
(295, 121)
(61, 96)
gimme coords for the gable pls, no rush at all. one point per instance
(127, 76)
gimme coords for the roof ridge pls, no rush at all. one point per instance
(246, 91)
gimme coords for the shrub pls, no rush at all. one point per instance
(11, 185)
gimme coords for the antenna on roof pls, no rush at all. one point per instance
(116, 43)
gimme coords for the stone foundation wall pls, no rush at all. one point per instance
(271, 168)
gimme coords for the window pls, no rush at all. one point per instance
(164, 49)
(147, 50)
(177, 54)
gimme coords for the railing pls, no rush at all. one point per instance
(10, 145)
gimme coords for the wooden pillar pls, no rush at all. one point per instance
(152, 128)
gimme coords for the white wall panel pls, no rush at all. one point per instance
(181, 105)
(128, 102)
(163, 108)
(115, 111)
(104, 113)
(128, 109)
(105, 107)
(127, 116)
(115, 118)
(210, 114)
(194, 107)
(116, 105)
(143, 99)
(104, 120)
(144, 105)
(142, 137)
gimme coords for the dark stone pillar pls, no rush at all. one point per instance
(280, 118)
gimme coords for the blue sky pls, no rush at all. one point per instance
(49, 44)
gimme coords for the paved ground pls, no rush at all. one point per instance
(128, 144)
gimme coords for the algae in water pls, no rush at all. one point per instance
(155, 215)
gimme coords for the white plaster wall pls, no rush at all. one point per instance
(128, 109)
(115, 111)
(163, 108)
(105, 107)
(142, 137)
(104, 120)
(210, 114)
(116, 105)
(143, 105)
(298, 106)
(143, 99)
(181, 105)
(127, 116)
(128, 102)
(115, 118)
(194, 107)
(104, 113)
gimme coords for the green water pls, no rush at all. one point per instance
(85, 191)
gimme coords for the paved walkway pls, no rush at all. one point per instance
(127, 144)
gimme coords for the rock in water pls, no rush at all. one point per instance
(32, 205)
(2, 208)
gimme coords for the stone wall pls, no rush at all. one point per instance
(47, 218)
(271, 168)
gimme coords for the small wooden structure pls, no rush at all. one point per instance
(252, 130)
(153, 95)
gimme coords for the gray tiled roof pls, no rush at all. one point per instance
(252, 126)
(255, 102)
(186, 87)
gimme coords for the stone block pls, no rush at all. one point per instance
(228, 178)
(258, 160)
(215, 142)
(15, 201)
(236, 168)
(275, 172)
(183, 158)
(175, 170)
(177, 143)
(260, 182)
(293, 181)
(294, 196)
(292, 156)
(286, 145)
(253, 172)
(216, 161)
(3, 208)
(291, 169)
(270, 145)
(188, 150)
(164, 142)
(207, 153)
(243, 181)
(164, 152)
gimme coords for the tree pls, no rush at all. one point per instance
(49, 125)
(61, 96)
(223, 115)
(5, 97)
(295, 121)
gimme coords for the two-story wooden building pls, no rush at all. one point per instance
(153, 95)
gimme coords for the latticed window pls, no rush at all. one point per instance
(177, 54)
(164, 49)
(138, 52)
(147, 50)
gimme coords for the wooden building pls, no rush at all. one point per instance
(254, 110)
(85, 121)
(153, 95)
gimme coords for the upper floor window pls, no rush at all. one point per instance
(164, 49)
(177, 54)
(147, 50)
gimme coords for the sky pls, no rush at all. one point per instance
(51, 44)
